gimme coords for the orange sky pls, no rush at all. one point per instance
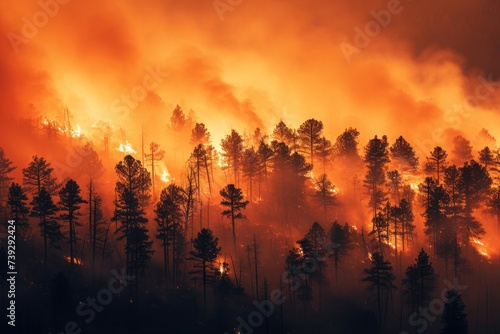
(263, 62)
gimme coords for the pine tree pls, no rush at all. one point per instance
(419, 282)
(340, 238)
(437, 162)
(90, 165)
(232, 152)
(232, 199)
(44, 208)
(403, 156)
(376, 159)
(380, 278)
(69, 204)
(310, 137)
(324, 151)
(462, 150)
(454, 317)
(38, 174)
(5, 169)
(18, 209)
(200, 135)
(282, 133)
(395, 185)
(153, 158)
(169, 217)
(133, 182)
(325, 193)
(486, 157)
(206, 250)
(346, 145)
(251, 168)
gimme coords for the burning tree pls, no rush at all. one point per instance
(69, 204)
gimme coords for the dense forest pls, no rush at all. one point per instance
(285, 231)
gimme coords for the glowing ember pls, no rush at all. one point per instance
(370, 256)
(221, 268)
(126, 148)
(76, 260)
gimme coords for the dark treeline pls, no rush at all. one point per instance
(279, 232)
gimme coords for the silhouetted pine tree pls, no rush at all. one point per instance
(419, 282)
(436, 163)
(454, 317)
(341, 243)
(44, 208)
(403, 156)
(376, 159)
(205, 252)
(310, 137)
(17, 201)
(232, 200)
(232, 152)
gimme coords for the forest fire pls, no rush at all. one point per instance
(76, 260)
(126, 148)
(482, 248)
(340, 155)
(165, 176)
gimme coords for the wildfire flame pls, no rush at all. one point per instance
(126, 148)
(77, 132)
(76, 260)
(165, 176)
(481, 248)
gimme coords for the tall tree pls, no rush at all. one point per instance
(232, 200)
(169, 218)
(340, 238)
(419, 282)
(200, 135)
(436, 163)
(380, 278)
(265, 155)
(325, 193)
(232, 152)
(395, 185)
(376, 159)
(153, 158)
(133, 182)
(310, 137)
(98, 228)
(206, 250)
(474, 185)
(69, 204)
(454, 318)
(493, 205)
(462, 150)
(251, 169)
(435, 213)
(38, 174)
(403, 156)
(324, 149)
(5, 169)
(486, 157)
(282, 133)
(18, 209)
(346, 145)
(178, 121)
(90, 165)
(44, 208)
